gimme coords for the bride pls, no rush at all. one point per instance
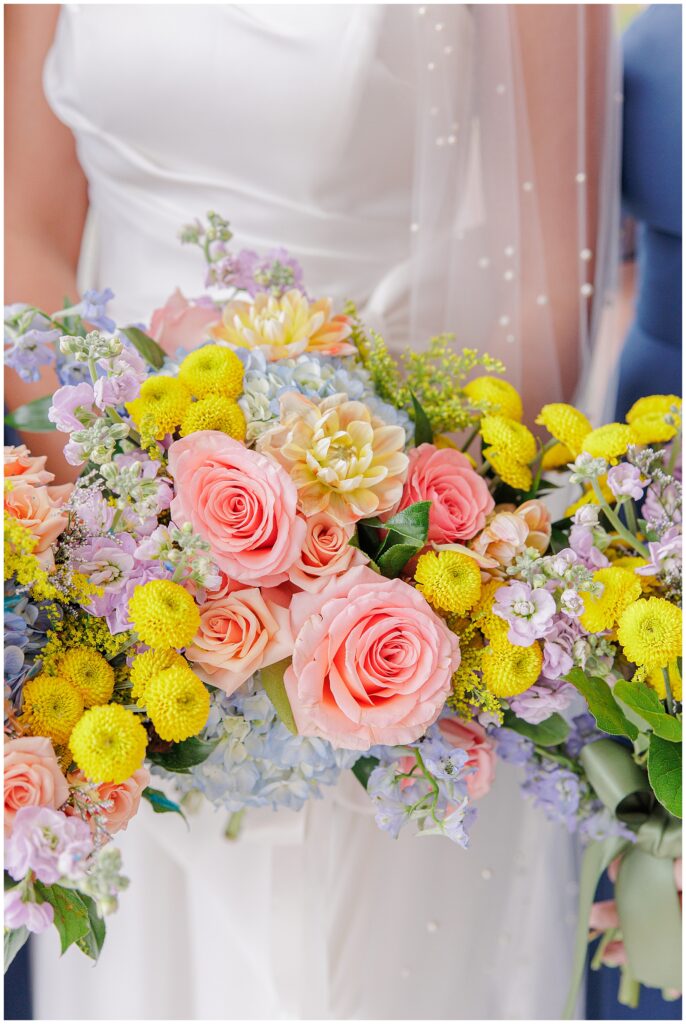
(449, 168)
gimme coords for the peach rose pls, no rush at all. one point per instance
(537, 518)
(471, 736)
(39, 509)
(125, 799)
(26, 468)
(241, 502)
(372, 662)
(326, 552)
(183, 324)
(460, 499)
(511, 531)
(240, 632)
(32, 777)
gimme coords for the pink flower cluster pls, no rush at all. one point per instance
(30, 499)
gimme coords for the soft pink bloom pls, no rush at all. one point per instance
(26, 468)
(460, 499)
(183, 324)
(625, 480)
(326, 552)
(511, 531)
(537, 518)
(20, 913)
(39, 509)
(472, 737)
(241, 502)
(66, 402)
(33, 777)
(240, 632)
(125, 799)
(372, 662)
(528, 611)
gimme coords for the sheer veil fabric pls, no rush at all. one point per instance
(387, 147)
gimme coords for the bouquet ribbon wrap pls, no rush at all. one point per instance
(645, 890)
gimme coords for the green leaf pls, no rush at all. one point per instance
(71, 913)
(411, 523)
(393, 561)
(664, 772)
(272, 681)
(549, 733)
(14, 940)
(92, 942)
(160, 803)
(363, 768)
(642, 699)
(423, 434)
(147, 346)
(608, 714)
(33, 416)
(184, 755)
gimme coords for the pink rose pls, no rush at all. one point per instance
(183, 324)
(25, 468)
(241, 502)
(39, 509)
(471, 736)
(326, 552)
(240, 632)
(32, 777)
(460, 499)
(125, 799)
(372, 662)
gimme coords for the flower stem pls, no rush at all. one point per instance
(668, 690)
(617, 522)
(469, 440)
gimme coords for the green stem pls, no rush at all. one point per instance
(471, 437)
(609, 936)
(668, 690)
(632, 522)
(233, 825)
(559, 758)
(629, 989)
(617, 522)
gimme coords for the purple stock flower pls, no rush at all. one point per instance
(528, 612)
(25, 913)
(556, 790)
(662, 502)
(625, 481)
(94, 307)
(581, 541)
(48, 843)
(542, 700)
(582, 730)
(665, 555)
(277, 273)
(66, 404)
(510, 746)
(558, 647)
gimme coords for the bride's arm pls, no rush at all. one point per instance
(46, 196)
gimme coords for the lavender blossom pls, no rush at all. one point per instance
(21, 911)
(93, 309)
(528, 612)
(48, 843)
(626, 481)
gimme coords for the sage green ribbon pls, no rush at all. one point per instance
(645, 891)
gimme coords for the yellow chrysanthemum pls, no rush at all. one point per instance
(498, 395)
(212, 370)
(650, 405)
(164, 614)
(510, 472)
(51, 706)
(507, 669)
(215, 413)
(109, 743)
(609, 442)
(147, 665)
(652, 428)
(566, 424)
(621, 587)
(163, 401)
(656, 679)
(490, 624)
(589, 497)
(177, 702)
(449, 580)
(632, 563)
(508, 437)
(650, 632)
(558, 456)
(89, 672)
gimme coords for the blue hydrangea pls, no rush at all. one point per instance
(93, 309)
(26, 625)
(511, 747)
(30, 338)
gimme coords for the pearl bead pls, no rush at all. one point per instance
(452, 139)
(580, 178)
(431, 66)
(508, 275)
(500, 89)
(510, 339)
(439, 26)
(487, 874)
(504, 321)
(528, 186)
(484, 262)
(414, 227)
(447, 50)
(586, 290)
(586, 255)
(541, 300)
(509, 250)
(421, 10)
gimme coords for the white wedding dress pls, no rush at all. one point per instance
(296, 123)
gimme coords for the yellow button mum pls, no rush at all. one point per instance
(656, 679)
(212, 370)
(177, 702)
(652, 428)
(650, 632)
(215, 413)
(490, 624)
(566, 424)
(164, 614)
(51, 706)
(449, 580)
(651, 405)
(507, 669)
(109, 743)
(497, 395)
(509, 438)
(609, 442)
(150, 664)
(163, 401)
(509, 470)
(89, 672)
(621, 587)
(557, 456)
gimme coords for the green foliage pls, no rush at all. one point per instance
(664, 772)
(92, 942)
(72, 919)
(184, 755)
(549, 733)
(608, 714)
(160, 803)
(272, 681)
(642, 699)
(146, 346)
(423, 434)
(33, 416)
(363, 768)
(405, 535)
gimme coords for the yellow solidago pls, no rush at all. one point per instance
(621, 587)
(51, 706)
(109, 743)
(161, 406)
(147, 665)
(449, 580)
(215, 413)
(164, 614)
(656, 679)
(79, 629)
(212, 370)
(566, 424)
(650, 632)
(558, 456)
(21, 563)
(507, 669)
(88, 671)
(651, 405)
(652, 428)
(510, 472)
(609, 442)
(492, 394)
(177, 702)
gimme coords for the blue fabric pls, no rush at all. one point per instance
(18, 987)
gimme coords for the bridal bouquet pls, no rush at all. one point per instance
(289, 555)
